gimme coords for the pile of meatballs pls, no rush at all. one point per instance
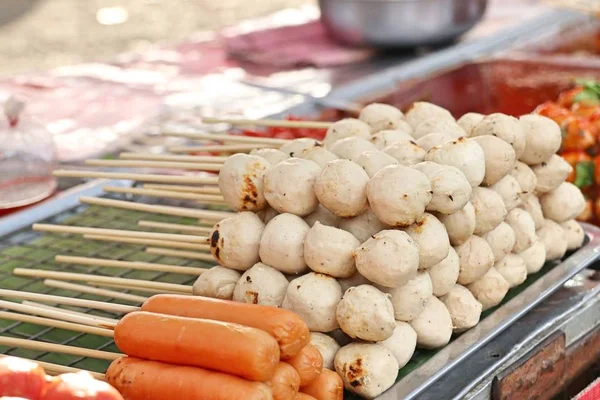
(396, 231)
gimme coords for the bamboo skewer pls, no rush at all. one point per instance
(89, 319)
(176, 227)
(179, 253)
(137, 289)
(69, 326)
(229, 148)
(149, 242)
(55, 369)
(188, 189)
(168, 210)
(91, 290)
(48, 298)
(205, 198)
(38, 273)
(268, 122)
(172, 157)
(58, 348)
(155, 164)
(51, 312)
(137, 265)
(580, 6)
(82, 230)
(188, 179)
(229, 138)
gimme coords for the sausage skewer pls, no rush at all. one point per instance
(56, 369)
(58, 348)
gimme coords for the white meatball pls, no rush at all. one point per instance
(364, 225)
(499, 158)
(444, 274)
(555, 240)
(460, 225)
(372, 161)
(295, 147)
(433, 326)
(463, 307)
(380, 117)
(322, 215)
(469, 120)
(475, 258)
(524, 228)
(421, 111)
(217, 282)
(504, 127)
(398, 195)
(451, 189)
(318, 154)
(526, 178)
(327, 346)
(490, 289)
(464, 154)
(575, 234)
(409, 300)
(534, 208)
(402, 343)
(389, 258)
(282, 243)
(366, 369)
(366, 313)
(534, 257)
(490, 210)
(355, 280)
(551, 173)
(342, 188)
(435, 125)
(314, 297)
(431, 140)
(241, 182)
(563, 203)
(348, 127)
(509, 189)
(431, 238)
(383, 139)
(329, 250)
(289, 186)
(351, 147)
(513, 269)
(406, 152)
(501, 240)
(261, 284)
(273, 156)
(543, 138)
(235, 241)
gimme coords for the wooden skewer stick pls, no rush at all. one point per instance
(168, 210)
(69, 326)
(204, 198)
(268, 122)
(137, 265)
(224, 148)
(48, 298)
(83, 230)
(179, 253)
(229, 138)
(39, 273)
(92, 290)
(55, 369)
(155, 164)
(187, 179)
(176, 227)
(149, 242)
(137, 289)
(187, 189)
(172, 157)
(58, 348)
(51, 312)
(86, 319)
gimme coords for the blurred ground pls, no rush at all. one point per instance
(40, 34)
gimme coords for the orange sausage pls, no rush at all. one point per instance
(221, 346)
(303, 396)
(327, 386)
(308, 363)
(285, 382)
(139, 379)
(79, 386)
(21, 378)
(290, 331)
